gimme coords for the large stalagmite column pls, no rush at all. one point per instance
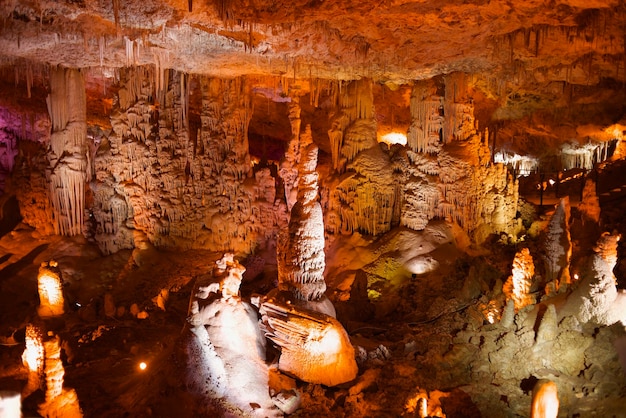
(301, 258)
(289, 166)
(68, 156)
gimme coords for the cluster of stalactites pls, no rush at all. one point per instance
(356, 102)
(585, 156)
(439, 119)
(69, 162)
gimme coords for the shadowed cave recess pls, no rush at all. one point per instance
(234, 208)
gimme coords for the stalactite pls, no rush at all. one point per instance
(424, 134)
(116, 12)
(69, 164)
(101, 49)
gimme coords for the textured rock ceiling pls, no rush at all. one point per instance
(576, 41)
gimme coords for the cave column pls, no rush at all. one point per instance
(69, 165)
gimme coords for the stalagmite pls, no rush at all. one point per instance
(225, 347)
(518, 286)
(545, 401)
(596, 298)
(289, 165)
(60, 402)
(558, 249)
(50, 286)
(301, 258)
(33, 358)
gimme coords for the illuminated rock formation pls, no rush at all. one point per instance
(181, 188)
(300, 254)
(10, 404)
(69, 161)
(558, 249)
(518, 286)
(33, 358)
(50, 287)
(596, 298)
(545, 402)
(289, 165)
(60, 402)
(314, 346)
(225, 348)
(364, 194)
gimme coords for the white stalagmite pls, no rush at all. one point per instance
(69, 155)
(225, 346)
(596, 298)
(33, 359)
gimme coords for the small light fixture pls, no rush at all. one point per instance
(142, 365)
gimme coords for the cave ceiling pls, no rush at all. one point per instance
(529, 55)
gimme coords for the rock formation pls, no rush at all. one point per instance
(518, 286)
(10, 404)
(50, 286)
(314, 346)
(545, 402)
(60, 401)
(69, 164)
(301, 257)
(225, 348)
(182, 188)
(596, 299)
(558, 249)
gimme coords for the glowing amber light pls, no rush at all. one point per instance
(33, 355)
(142, 366)
(393, 138)
(50, 290)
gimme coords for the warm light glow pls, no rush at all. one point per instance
(551, 182)
(323, 342)
(523, 165)
(576, 276)
(33, 355)
(50, 290)
(545, 403)
(142, 366)
(491, 311)
(393, 138)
